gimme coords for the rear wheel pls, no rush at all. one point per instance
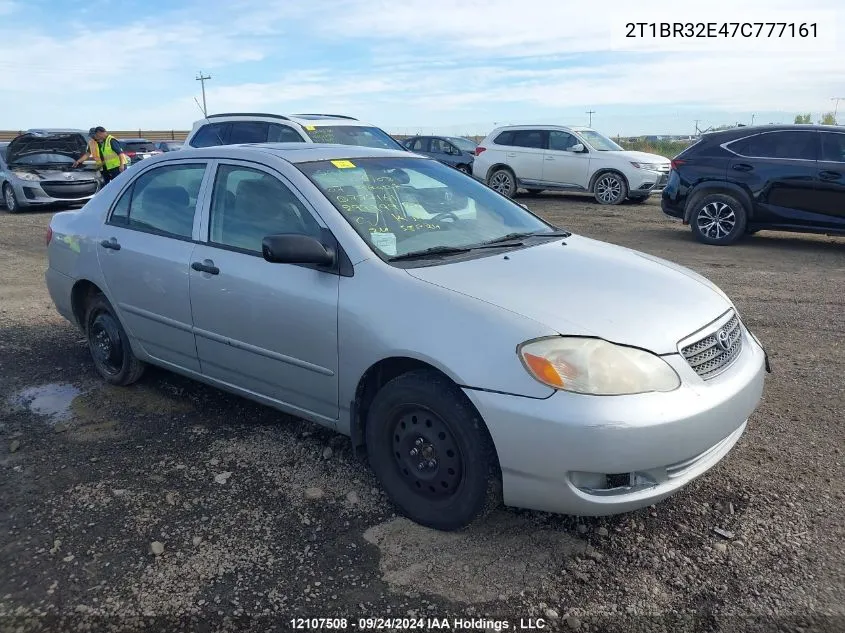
(9, 199)
(610, 188)
(718, 219)
(109, 344)
(503, 181)
(432, 452)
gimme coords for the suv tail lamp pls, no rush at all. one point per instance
(677, 162)
(479, 149)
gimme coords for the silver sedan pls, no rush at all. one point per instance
(476, 352)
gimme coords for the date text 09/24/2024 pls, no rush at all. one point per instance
(416, 624)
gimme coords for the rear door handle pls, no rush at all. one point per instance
(206, 267)
(829, 175)
(112, 244)
(743, 167)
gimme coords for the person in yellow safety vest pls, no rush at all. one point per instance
(107, 152)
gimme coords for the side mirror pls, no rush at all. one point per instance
(295, 248)
(576, 149)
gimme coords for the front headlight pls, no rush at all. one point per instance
(25, 175)
(594, 366)
(651, 166)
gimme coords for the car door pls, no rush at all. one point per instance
(779, 168)
(442, 151)
(145, 254)
(563, 167)
(266, 328)
(525, 155)
(831, 183)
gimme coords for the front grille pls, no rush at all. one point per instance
(665, 167)
(715, 352)
(69, 190)
(663, 179)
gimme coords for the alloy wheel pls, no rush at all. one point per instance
(9, 199)
(716, 220)
(501, 182)
(609, 188)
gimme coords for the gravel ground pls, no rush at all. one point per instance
(169, 505)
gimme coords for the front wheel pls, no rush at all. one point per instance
(503, 181)
(9, 199)
(718, 219)
(432, 452)
(610, 188)
(109, 344)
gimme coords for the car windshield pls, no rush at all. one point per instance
(463, 143)
(403, 206)
(44, 159)
(599, 142)
(352, 135)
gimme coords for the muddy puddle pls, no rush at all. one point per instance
(53, 401)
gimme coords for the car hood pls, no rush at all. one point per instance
(640, 157)
(73, 145)
(590, 288)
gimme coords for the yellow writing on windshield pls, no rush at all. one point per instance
(343, 164)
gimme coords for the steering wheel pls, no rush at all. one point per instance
(445, 214)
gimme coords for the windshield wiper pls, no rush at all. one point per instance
(517, 236)
(434, 250)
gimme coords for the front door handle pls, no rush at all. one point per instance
(830, 175)
(206, 267)
(113, 244)
(550, 157)
(743, 167)
(511, 154)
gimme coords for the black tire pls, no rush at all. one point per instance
(10, 200)
(503, 181)
(718, 219)
(109, 345)
(610, 188)
(535, 192)
(432, 452)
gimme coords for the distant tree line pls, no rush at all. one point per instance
(828, 118)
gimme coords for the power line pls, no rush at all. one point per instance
(591, 113)
(202, 79)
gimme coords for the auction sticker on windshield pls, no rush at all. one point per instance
(385, 242)
(343, 164)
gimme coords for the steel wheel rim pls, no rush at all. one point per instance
(426, 453)
(9, 197)
(501, 182)
(609, 188)
(106, 344)
(716, 220)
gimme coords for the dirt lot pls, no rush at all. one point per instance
(264, 519)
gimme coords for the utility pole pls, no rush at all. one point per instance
(591, 113)
(836, 107)
(697, 130)
(202, 79)
(752, 118)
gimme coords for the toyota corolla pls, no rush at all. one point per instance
(475, 352)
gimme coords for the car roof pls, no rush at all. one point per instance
(316, 120)
(747, 130)
(135, 140)
(55, 130)
(302, 152)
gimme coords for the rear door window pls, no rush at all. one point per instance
(535, 139)
(783, 145)
(833, 147)
(283, 134)
(248, 132)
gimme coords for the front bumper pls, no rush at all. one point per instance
(550, 449)
(35, 193)
(647, 182)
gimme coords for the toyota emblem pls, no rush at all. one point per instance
(723, 339)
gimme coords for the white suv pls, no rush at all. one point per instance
(541, 157)
(248, 127)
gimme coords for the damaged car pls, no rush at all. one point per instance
(36, 169)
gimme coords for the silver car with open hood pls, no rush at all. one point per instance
(36, 169)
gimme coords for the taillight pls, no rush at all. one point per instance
(130, 154)
(479, 149)
(49, 235)
(677, 162)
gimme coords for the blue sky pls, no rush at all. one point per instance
(409, 65)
